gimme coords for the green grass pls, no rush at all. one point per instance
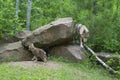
(68, 71)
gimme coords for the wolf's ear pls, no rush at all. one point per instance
(78, 25)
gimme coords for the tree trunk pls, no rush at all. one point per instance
(16, 14)
(28, 14)
(17, 8)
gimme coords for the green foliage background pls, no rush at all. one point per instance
(102, 19)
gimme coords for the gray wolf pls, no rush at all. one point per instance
(83, 32)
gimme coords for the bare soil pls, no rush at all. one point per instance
(48, 64)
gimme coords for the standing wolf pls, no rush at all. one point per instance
(38, 53)
(83, 32)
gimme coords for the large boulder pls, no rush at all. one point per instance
(55, 33)
(8, 39)
(71, 52)
(23, 34)
(14, 52)
(15, 38)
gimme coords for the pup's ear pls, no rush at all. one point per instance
(32, 44)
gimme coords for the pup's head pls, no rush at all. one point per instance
(31, 46)
(44, 57)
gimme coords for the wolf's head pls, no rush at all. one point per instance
(85, 36)
(84, 33)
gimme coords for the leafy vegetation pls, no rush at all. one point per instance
(67, 71)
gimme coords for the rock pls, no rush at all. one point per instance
(15, 38)
(107, 56)
(2, 41)
(113, 60)
(8, 39)
(71, 52)
(14, 52)
(55, 33)
(23, 34)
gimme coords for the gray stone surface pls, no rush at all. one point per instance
(111, 59)
(106, 56)
(14, 52)
(55, 33)
(71, 52)
(23, 34)
(8, 39)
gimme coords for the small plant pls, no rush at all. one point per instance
(114, 63)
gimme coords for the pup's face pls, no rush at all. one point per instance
(30, 46)
(45, 58)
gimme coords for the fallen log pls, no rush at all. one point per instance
(100, 61)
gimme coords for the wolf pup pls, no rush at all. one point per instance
(38, 53)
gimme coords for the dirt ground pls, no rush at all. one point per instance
(48, 64)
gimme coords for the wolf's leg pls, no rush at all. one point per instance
(81, 42)
(36, 59)
(33, 58)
